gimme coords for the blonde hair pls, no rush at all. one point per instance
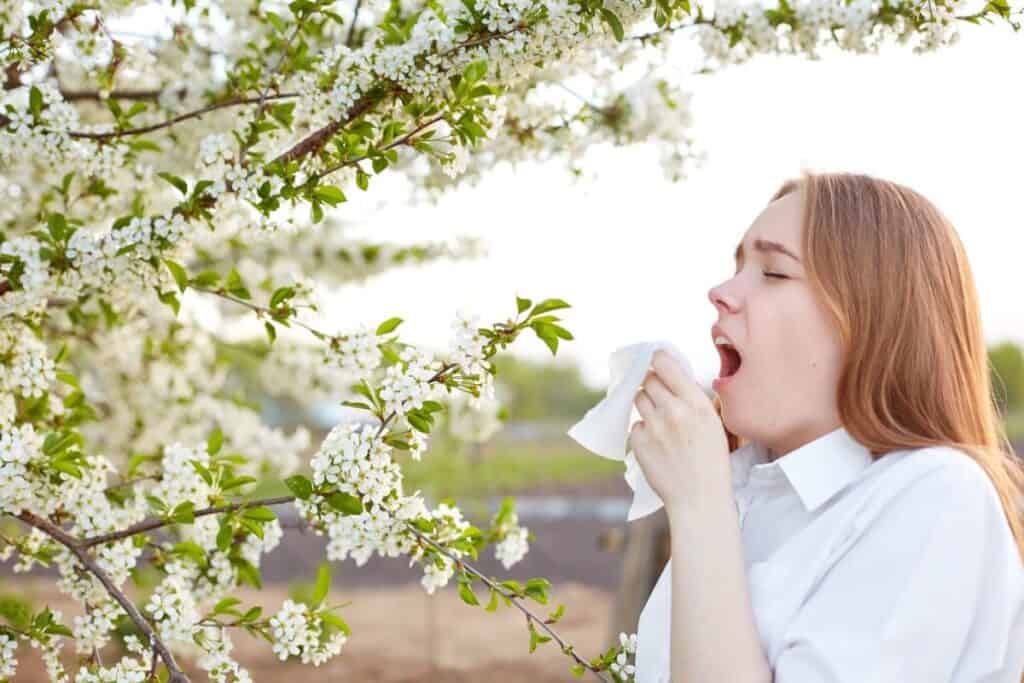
(894, 274)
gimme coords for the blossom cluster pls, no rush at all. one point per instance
(622, 666)
(298, 631)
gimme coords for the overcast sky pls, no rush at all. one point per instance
(635, 254)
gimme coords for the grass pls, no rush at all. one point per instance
(498, 468)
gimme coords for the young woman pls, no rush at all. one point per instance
(848, 509)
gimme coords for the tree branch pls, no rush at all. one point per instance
(79, 548)
(156, 523)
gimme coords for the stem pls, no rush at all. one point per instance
(79, 549)
(510, 596)
(261, 310)
(352, 26)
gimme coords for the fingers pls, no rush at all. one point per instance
(675, 378)
(655, 390)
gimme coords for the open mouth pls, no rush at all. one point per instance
(731, 360)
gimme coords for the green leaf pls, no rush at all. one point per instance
(225, 605)
(225, 536)
(577, 670)
(207, 278)
(184, 513)
(538, 590)
(323, 584)
(180, 276)
(215, 441)
(271, 332)
(247, 572)
(475, 71)
(548, 305)
(614, 23)
(467, 594)
(329, 194)
(35, 101)
(300, 486)
(388, 326)
(522, 304)
(492, 606)
(259, 514)
(280, 295)
(171, 300)
(335, 621)
(282, 113)
(345, 503)
(180, 184)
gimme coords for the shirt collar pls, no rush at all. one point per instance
(816, 471)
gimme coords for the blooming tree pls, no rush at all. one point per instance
(171, 175)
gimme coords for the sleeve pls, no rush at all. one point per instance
(932, 590)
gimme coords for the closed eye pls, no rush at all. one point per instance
(777, 275)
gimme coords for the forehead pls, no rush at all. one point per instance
(780, 221)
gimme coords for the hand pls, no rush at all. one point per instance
(680, 442)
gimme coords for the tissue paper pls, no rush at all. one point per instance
(605, 427)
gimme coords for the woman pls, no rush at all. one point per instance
(858, 518)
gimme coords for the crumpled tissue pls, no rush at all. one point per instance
(605, 427)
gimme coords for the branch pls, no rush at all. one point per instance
(401, 141)
(234, 102)
(352, 26)
(156, 523)
(509, 596)
(79, 548)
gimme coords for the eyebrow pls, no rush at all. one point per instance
(765, 245)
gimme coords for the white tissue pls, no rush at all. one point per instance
(605, 427)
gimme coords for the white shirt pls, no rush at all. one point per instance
(900, 570)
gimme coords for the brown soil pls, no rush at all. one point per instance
(401, 635)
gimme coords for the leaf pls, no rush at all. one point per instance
(492, 606)
(345, 503)
(225, 605)
(475, 71)
(522, 304)
(180, 184)
(207, 278)
(548, 305)
(323, 584)
(271, 332)
(183, 513)
(247, 572)
(259, 514)
(614, 23)
(171, 300)
(180, 276)
(388, 326)
(329, 194)
(225, 536)
(300, 486)
(215, 441)
(336, 621)
(467, 594)
(35, 101)
(538, 590)
(280, 295)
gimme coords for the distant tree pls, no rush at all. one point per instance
(1007, 367)
(543, 390)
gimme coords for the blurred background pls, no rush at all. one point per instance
(635, 256)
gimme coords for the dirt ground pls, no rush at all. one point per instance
(401, 634)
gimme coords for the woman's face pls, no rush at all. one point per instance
(784, 394)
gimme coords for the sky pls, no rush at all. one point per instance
(635, 254)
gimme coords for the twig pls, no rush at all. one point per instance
(509, 596)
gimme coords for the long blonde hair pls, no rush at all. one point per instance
(894, 274)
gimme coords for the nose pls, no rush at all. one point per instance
(721, 299)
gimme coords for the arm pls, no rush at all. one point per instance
(714, 636)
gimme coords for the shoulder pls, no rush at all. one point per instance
(939, 481)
